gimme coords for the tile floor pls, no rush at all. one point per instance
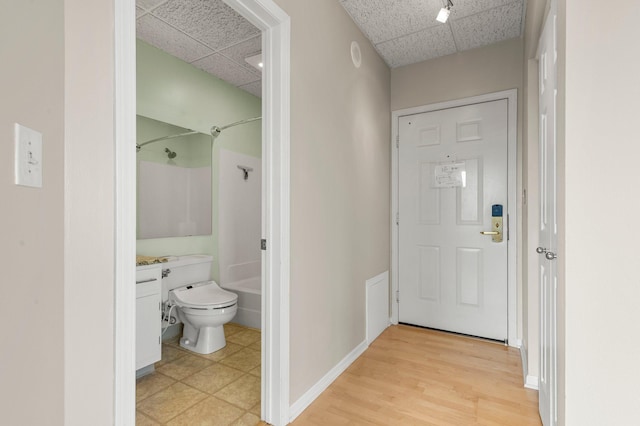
(222, 388)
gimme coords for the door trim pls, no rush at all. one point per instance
(512, 143)
(276, 27)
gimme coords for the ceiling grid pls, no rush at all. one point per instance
(213, 37)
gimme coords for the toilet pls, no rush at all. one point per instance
(202, 306)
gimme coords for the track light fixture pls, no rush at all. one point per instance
(443, 15)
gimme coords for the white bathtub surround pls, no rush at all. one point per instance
(377, 295)
(249, 301)
(239, 229)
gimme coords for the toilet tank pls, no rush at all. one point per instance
(183, 270)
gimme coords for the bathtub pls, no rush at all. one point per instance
(249, 301)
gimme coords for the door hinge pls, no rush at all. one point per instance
(397, 218)
(398, 141)
(398, 296)
(263, 244)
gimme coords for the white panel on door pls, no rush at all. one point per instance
(543, 171)
(543, 72)
(429, 202)
(544, 368)
(469, 276)
(429, 136)
(429, 278)
(468, 131)
(469, 204)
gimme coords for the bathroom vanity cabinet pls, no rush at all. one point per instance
(148, 313)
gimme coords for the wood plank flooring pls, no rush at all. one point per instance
(413, 376)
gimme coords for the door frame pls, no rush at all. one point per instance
(512, 145)
(276, 27)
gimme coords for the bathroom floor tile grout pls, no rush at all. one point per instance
(174, 344)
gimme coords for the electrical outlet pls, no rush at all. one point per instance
(28, 156)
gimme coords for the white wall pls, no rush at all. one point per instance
(340, 162)
(32, 240)
(599, 94)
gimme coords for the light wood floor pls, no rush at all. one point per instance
(412, 376)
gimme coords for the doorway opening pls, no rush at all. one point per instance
(509, 215)
(275, 27)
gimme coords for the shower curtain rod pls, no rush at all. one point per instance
(215, 132)
(191, 132)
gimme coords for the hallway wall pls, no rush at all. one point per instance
(599, 100)
(340, 162)
(470, 73)
(32, 248)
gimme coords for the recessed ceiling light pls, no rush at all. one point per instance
(255, 61)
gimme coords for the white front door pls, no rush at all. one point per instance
(453, 167)
(548, 230)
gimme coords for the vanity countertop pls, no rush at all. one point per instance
(152, 266)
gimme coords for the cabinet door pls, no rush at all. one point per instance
(148, 322)
(147, 330)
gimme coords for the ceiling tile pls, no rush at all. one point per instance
(417, 47)
(254, 88)
(211, 22)
(139, 12)
(492, 26)
(161, 35)
(148, 4)
(242, 50)
(382, 20)
(227, 70)
(463, 8)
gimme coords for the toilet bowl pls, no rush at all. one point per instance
(203, 308)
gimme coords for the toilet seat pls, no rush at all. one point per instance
(206, 296)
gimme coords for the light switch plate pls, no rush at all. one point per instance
(28, 151)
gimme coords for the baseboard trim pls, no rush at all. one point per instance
(309, 396)
(523, 358)
(531, 382)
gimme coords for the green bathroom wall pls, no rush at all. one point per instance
(192, 150)
(179, 94)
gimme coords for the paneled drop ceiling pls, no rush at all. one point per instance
(213, 37)
(205, 33)
(406, 31)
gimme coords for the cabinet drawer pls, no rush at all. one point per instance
(148, 281)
